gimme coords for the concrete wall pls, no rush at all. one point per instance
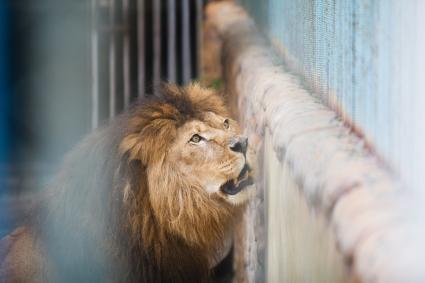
(300, 247)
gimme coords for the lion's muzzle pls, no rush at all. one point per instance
(234, 186)
(239, 144)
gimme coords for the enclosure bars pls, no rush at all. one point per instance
(141, 64)
(171, 33)
(113, 58)
(126, 54)
(339, 177)
(156, 42)
(137, 43)
(94, 67)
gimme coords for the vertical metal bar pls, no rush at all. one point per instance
(186, 42)
(94, 66)
(156, 43)
(112, 60)
(171, 50)
(141, 47)
(126, 52)
(199, 34)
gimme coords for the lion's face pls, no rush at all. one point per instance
(213, 153)
(194, 160)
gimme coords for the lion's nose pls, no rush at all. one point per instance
(239, 144)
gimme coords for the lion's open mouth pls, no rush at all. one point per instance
(234, 186)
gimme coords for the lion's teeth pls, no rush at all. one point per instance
(243, 178)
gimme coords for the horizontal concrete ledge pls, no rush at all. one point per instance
(363, 202)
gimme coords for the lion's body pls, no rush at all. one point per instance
(118, 211)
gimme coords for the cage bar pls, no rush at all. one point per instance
(112, 60)
(156, 43)
(199, 13)
(126, 53)
(94, 67)
(141, 70)
(186, 50)
(171, 47)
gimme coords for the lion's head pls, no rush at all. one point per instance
(195, 159)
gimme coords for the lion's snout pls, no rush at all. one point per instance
(239, 144)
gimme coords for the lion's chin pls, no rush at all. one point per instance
(235, 186)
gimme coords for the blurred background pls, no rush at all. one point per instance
(67, 66)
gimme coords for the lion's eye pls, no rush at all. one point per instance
(196, 138)
(226, 123)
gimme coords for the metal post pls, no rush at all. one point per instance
(94, 66)
(199, 34)
(171, 50)
(186, 42)
(112, 60)
(126, 52)
(156, 43)
(141, 47)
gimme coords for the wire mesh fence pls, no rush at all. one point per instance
(364, 58)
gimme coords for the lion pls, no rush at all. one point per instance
(151, 197)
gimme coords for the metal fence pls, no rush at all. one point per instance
(365, 58)
(138, 43)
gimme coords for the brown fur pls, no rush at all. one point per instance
(123, 208)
